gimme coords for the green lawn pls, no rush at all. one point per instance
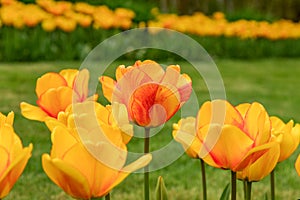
(272, 82)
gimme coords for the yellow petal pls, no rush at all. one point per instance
(297, 165)
(69, 75)
(230, 148)
(66, 177)
(13, 171)
(32, 112)
(55, 100)
(81, 86)
(258, 124)
(262, 166)
(108, 86)
(48, 81)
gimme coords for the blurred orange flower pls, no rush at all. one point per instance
(152, 96)
(55, 92)
(297, 165)
(13, 156)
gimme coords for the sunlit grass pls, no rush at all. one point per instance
(272, 82)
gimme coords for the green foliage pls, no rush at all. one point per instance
(161, 190)
(226, 192)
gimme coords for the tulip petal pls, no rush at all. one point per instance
(4, 155)
(257, 124)
(14, 170)
(32, 112)
(297, 165)
(48, 81)
(108, 86)
(55, 100)
(66, 177)
(81, 86)
(262, 166)
(69, 75)
(224, 153)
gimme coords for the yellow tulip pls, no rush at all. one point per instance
(155, 95)
(227, 137)
(87, 159)
(297, 165)
(13, 156)
(55, 92)
(290, 136)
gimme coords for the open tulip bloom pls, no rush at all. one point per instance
(13, 156)
(56, 91)
(151, 95)
(88, 151)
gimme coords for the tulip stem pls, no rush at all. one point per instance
(146, 168)
(233, 185)
(272, 176)
(248, 190)
(245, 189)
(203, 179)
(107, 197)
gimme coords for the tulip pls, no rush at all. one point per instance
(152, 96)
(297, 165)
(55, 92)
(13, 156)
(290, 136)
(87, 159)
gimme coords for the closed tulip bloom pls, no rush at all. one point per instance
(14, 156)
(290, 136)
(152, 96)
(55, 92)
(225, 136)
(87, 161)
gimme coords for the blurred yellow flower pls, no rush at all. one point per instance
(13, 156)
(297, 165)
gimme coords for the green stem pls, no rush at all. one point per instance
(107, 197)
(272, 176)
(249, 187)
(146, 168)
(245, 189)
(233, 185)
(203, 180)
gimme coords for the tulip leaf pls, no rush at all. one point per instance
(161, 190)
(266, 196)
(225, 193)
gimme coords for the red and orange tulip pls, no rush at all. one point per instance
(87, 161)
(55, 92)
(14, 156)
(152, 96)
(228, 137)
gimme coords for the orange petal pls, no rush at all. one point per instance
(219, 112)
(258, 124)
(261, 167)
(13, 171)
(66, 177)
(108, 86)
(48, 81)
(230, 148)
(81, 86)
(55, 100)
(32, 112)
(69, 75)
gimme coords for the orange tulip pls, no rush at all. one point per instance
(225, 136)
(297, 165)
(55, 92)
(290, 136)
(87, 159)
(13, 156)
(152, 96)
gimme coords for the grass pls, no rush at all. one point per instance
(272, 82)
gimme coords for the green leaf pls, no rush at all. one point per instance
(266, 196)
(161, 190)
(225, 193)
